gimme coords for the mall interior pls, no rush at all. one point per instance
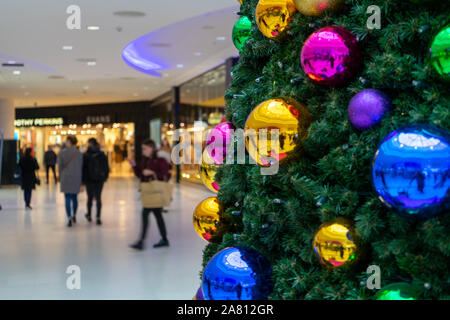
(120, 72)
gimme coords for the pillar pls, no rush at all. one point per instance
(8, 148)
(7, 117)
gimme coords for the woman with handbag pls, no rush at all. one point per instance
(29, 166)
(70, 166)
(150, 171)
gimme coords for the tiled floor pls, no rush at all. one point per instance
(36, 247)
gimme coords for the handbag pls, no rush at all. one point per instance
(18, 175)
(156, 194)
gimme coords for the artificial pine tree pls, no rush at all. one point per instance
(279, 215)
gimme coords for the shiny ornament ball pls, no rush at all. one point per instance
(330, 56)
(411, 171)
(290, 117)
(241, 32)
(398, 291)
(237, 273)
(334, 243)
(207, 219)
(273, 16)
(217, 141)
(440, 53)
(317, 7)
(199, 295)
(367, 108)
(208, 172)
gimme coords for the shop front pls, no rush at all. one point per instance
(199, 105)
(119, 128)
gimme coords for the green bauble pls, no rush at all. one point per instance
(440, 53)
(398, 291)
(241, 32)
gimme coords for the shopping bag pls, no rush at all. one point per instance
(156, 194)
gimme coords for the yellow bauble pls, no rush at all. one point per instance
(208, 172)
(289, 116)
(317, 7)
(207, 218)
(334, 243)
(273, 16)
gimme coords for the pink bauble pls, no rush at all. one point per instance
(330, 56)
(217, 140)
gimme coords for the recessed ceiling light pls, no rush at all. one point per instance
(93, 28)
(86, 60)
(16, 72)
(221, 38)
(91, 63)
(159, 44)
(129, 14)
(67, 48)
(12, 64)
(56, 77)
(180, 66)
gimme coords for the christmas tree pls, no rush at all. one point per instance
(342, 178)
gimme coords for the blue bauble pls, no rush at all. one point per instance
(237, 273)
(411, 171)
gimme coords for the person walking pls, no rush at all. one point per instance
(29, 166)
(95, 174)
(150, 168)
(70, 166)
(50, 162)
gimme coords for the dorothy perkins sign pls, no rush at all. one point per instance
(38, 122)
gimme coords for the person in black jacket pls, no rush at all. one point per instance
(29, 166)
(95, 174)
(50, 162)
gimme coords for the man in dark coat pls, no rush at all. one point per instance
(95, 174)
(28, 165)
(50, 162)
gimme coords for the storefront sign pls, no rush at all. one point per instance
(38, 122)
(98, 119)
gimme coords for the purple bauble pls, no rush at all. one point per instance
(367, 108)
(216, 150)
(330, 56)
(199, 295)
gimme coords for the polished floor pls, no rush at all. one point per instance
(36, 247)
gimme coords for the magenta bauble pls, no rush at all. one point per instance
(217, 140)
(330, 56)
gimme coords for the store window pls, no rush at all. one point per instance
(202, 105)
(116, 140)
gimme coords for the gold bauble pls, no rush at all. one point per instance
(334, 243)
(208, 171)
(289, 116)
(317, 7)
(207, 218)
(273, 16)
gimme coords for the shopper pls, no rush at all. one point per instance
(29, 166)
(151, 168)
(95, 174)
(70, 165)
(50, 162)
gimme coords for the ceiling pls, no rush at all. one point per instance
(191, 36)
